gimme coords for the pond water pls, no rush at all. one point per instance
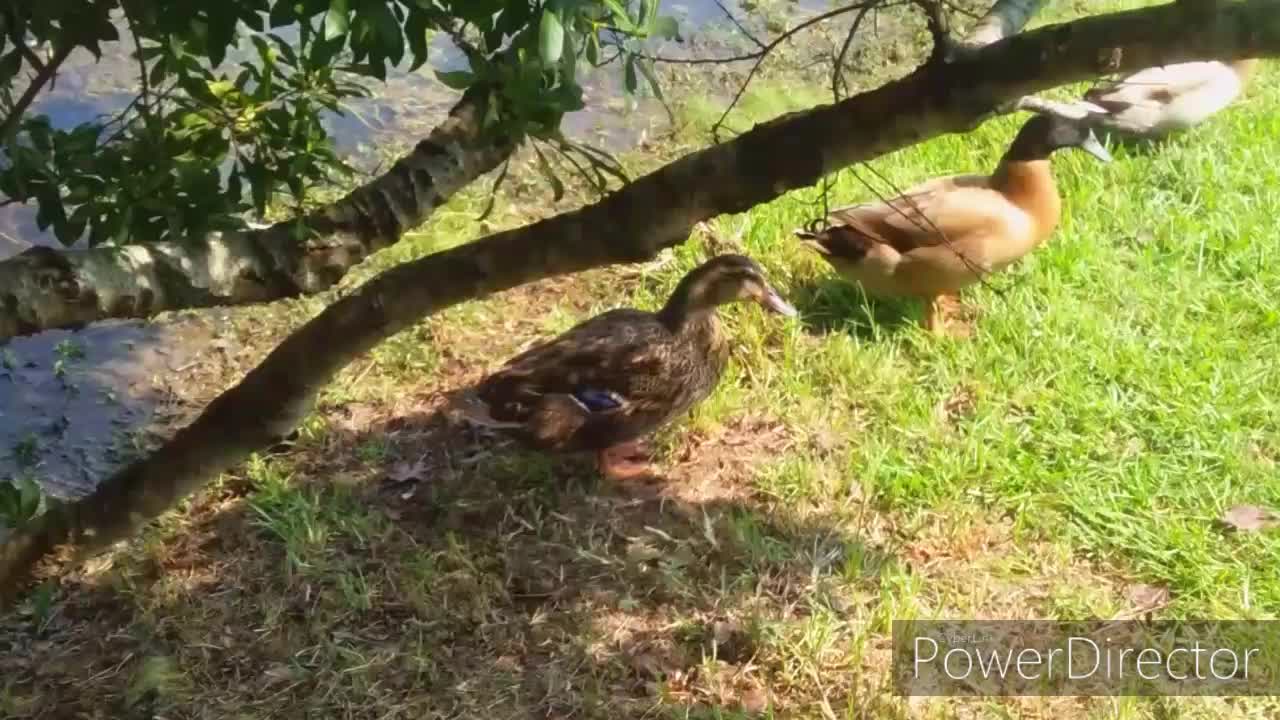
(69, 395)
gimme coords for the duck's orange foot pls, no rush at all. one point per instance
(628, 461)
(946, 316)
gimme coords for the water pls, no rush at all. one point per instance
(76, 416)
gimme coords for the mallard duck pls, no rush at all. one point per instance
(940, 236)
(614, 378)
(1157, 101)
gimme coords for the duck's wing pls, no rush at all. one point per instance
(598, 366)
(1158, 85)
(939, 212)
(1156, 101)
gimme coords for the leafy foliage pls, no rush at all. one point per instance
(228, 117)
(20, 500)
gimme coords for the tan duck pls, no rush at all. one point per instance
(1157, 101)
(607, 382)
(942, 235)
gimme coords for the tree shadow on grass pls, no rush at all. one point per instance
(404, 567)
(832, 304)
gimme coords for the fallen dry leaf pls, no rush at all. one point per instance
(407, 472)
(957, 406)
(280, 672)
(1250, 518)
(1148, 597)
(754, 700)
(354, 417)
(507, 663)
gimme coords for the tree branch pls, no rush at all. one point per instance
(939, 30)
(738, 24)
(765, 48)
(838, 84)
(32, 59)
(764, 51)
(43, 75)
(654, 212)
(44, 288)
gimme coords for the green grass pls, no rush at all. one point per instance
(1116, 396)
(1121, 377)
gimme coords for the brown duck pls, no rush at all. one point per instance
(942, 235)
(615, 378)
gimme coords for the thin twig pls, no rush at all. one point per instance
(740, 26)
(939, 28)
(927, 225)
(144, 97)
(763, 53)
(597, 183)
(768, 47)
(962, 10)
(29, 95)
(33, 59)
(837, 71)
(493, 191)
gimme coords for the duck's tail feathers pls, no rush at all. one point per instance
(838, 241)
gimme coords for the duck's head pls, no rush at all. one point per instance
(1045, 134)
(725, 279)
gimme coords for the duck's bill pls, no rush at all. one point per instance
(773, 302)
(1094, 148)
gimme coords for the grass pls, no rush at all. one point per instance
(1116, 396)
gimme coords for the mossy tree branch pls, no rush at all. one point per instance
(44, 288)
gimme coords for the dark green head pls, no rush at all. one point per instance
(1044, 134)
(723, 279)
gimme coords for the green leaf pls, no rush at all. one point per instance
(158, 71)
(286, 50)
(593, 48)
(221, 87)
(550, 37)
(282, 14)
(417, 33)
(323, 51)
(38, 131)
(568, 59)
(10, 64)
(79, 220)
(667, 28)
(492, 111)
(458, 79)
(221, 32)
(386, 29)
(620, 17)
(568, 98)
(235, 188)
(265, 51)
(336, 20)
(630, 81)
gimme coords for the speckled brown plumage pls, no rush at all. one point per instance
(661, 373)
(621, 375)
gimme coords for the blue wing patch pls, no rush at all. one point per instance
(597, 400)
